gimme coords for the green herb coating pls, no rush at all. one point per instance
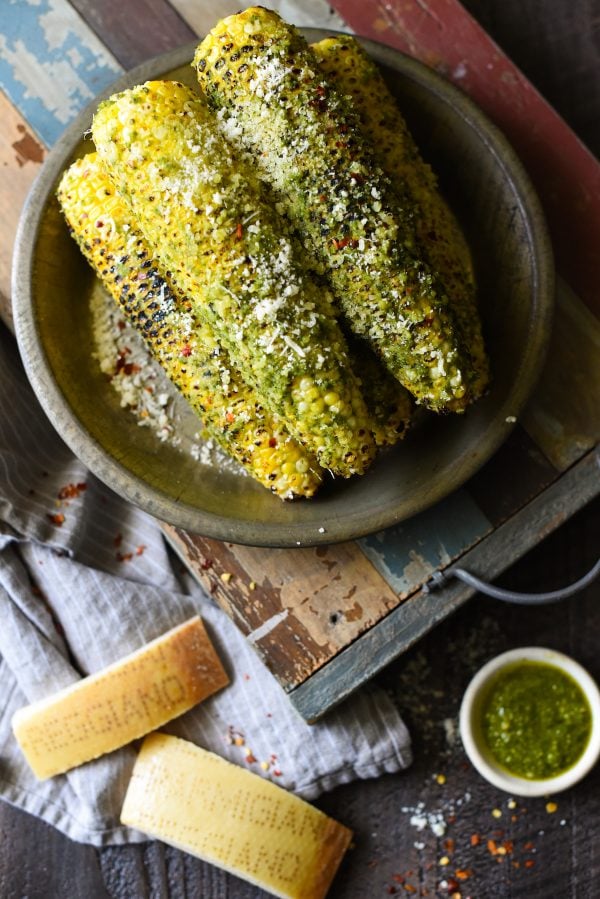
(353, 72)
(229, 252)
(273, 100)
(186, 348)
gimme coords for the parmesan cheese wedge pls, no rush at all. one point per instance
(225, 815)
(124, 701)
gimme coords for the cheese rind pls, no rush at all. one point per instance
(198, 802)
(120, 703)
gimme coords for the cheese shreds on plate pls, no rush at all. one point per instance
(120, 703)
(229, 817)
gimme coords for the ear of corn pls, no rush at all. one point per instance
(186, 347)
(353, 73)
(228, 252)
(273, 101)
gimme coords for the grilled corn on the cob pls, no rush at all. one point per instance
(230, 254)
(273, 100)
(354, 74)
(186, 348)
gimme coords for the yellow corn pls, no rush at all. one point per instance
(186, 348)
(226, 249)
(352, 71)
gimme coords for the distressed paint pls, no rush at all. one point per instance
(202, 15)
(298, 607)
(407, 554)
(296, 633)
(20, 158)
(51, 63)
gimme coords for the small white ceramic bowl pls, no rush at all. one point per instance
(473, 739)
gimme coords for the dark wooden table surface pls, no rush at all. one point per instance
(491, 846)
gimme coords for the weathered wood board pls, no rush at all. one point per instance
(323, 620)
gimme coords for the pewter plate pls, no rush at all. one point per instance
(493, 198)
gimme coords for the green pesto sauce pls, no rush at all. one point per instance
(536, 720)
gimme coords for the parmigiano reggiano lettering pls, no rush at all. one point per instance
(127, 700)
(198, 802)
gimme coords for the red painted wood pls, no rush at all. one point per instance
(442, 34)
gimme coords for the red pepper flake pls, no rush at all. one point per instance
(186, 350)
(475, 839)
(246, 677)
(118, 539)
(492, 847)
(251, 759)
(449, 845)
(206, 564)
(452, 885)
(121, 325)
(529, 862)
(123, 557)
(239, 230)
(99, 224)
(230, 417)
(463, 873)
(345, 242)
(529, 846)
(58, 519)
(391, 890)
(272, 442)
(140, 549)
(70, 491)
(399, 878)
(277, 772)
(410, 888)
(128, 368)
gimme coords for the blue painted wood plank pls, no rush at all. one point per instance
(407, 554)
(51, 63)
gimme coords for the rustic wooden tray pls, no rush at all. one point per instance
(325, 620)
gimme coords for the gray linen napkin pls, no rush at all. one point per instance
(86, 579)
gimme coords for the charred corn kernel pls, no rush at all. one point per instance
(388, 402)
(120, 703)
(273, 102)
(230, 817)
(353, 73)
(186, 348)
(230, 254)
